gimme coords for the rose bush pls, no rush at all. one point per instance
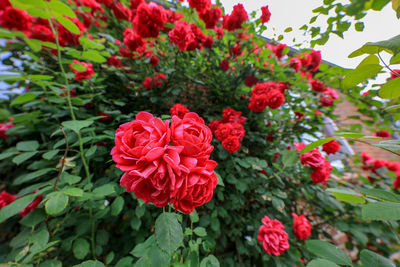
(132, 107)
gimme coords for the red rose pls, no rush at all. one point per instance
(209, 42)
(213, 125)
(200, 5)
(382, 133)
(250, 81)
(312, 158)
(266, 15)
(224, 65)
(315, 61)
(133, 41)
(332, 93)
(86, 74)
(235, 20)
(114, 61)
(326, 101)
(275, 99)
(191, 133)
(6, 198)
(301, 227)
(331, 147)
(154, 61)
(4, 128)
(258, 102)
(66, 37)
(198, 188)
(231, 143)
(183, 37)
(317, 86)
(121, 12)
(149, 19)
(15, 19)
(223, 131)
(231, 115)
(211, 17)
(32, 206)
(105, 116)
(42, 33)
(274, 239)
(148, 83)
(179, 110)
(265, 88)
(137, 141)
(135, 4)
(321, 174)
(394, 75)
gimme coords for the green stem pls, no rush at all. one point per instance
(92, 234)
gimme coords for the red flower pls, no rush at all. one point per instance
(154, 61)
(200, 5)
(3, 129)
(231, 115)
(65, 37)
(191, 133)
(274, 239)
(396, 183)
(315, 60)
(42, 33)
(136, 3)
(198, 188)
(332, 93)
(321, 174)
(266, 15)
(105, 116)
(258, 102)
(275, 99)
(149, 19)
(86, 74)
(32, 206)
(209, 42)
(312, 158)
(326, 101)
(231, 143)
(213, 125)
(133, 41)
(317, 86)
(6, 198)
(251, 80)
(301, 227)
(331, 147)
(15, 19)
(121, 12)
(224, 65)
(393, 75)
(382, 133)
(183, 36)
(139, 141)
(148, 83)
(114, 61)
(235, 20)
(211, 17)
(179, 110)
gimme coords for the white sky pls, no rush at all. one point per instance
(379, 25)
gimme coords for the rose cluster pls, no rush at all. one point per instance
(87, 73)
(371, 164)
(321, 168)
(150, 82)
(4, 128)
(265, 94)
(229, 130)
(179, 110)
(156, 171)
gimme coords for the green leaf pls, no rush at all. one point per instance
(359, 26)
(78, 67)
(90, 152)
(368, 68)
(372, 259)
(388, 146)
(391, 89)
(168, 232)
(289, 158)
(51, 263)
(51, 154)
(392, 44)
(76, 125)
(316, 144)
(328, 251)
(15, 207)
(73, 192)
(28, 177)
(35, 45)
(23, 98)
(104, 190)
(60, 8)
(94, 56)
(194, 217)
(349, 135)
(395, 59)
(27, 146)
(5, 155)
(80, 248)
(381, 211)
(68, 24)
(117, 206)
(321, 262)
(69, 178)
(200, 231)
(56, 204)
(347, 195)
(37, 12)
(209, 261)
(35, 217)
(23, 157)
(91, 263)
(141, 249)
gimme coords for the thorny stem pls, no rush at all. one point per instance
(392, 71)
(63, 159)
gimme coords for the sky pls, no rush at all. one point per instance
(379, 26)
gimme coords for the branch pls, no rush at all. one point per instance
(63, 159)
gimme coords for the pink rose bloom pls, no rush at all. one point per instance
(272, 236)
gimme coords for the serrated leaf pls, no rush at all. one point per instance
(168, 232)
(372, 259)
(56, 204)
(328, 251)
(117, 206)
(316, 144)
(77, 125)
(391, 89)
(381, 211)
(200, 231)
